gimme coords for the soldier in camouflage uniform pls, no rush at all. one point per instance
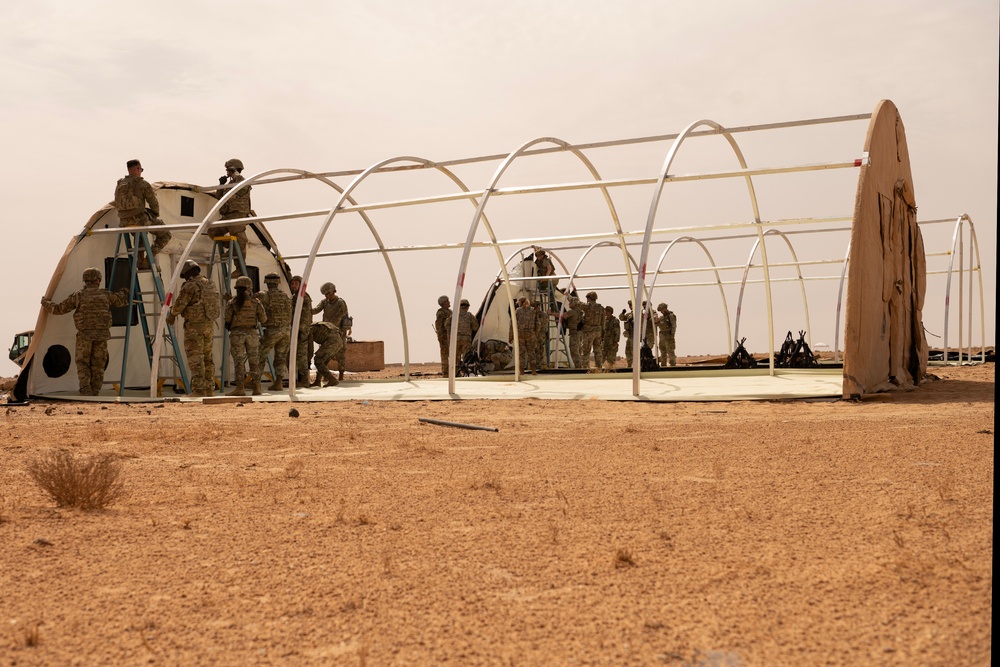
(334, 311)
(498, 353)
(541, 333)
(243, 314)
(91, 308)
(443, 314)
(666, 325)
(572, 321)
(138, 207)
(612, 334)
(593, 331)
(468, 325)
(628, 319)
(236, 207)
(544, 267)
(199, 327)
(304, 343)
(527, 328)
(331, 344)
(278, 332)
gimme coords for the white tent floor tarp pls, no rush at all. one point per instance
(709, 385)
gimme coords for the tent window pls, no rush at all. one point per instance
(122, 271)
(187, 207)
(56, 361)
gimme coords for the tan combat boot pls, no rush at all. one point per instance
(276, 385)
(256, 388)
(238, 390)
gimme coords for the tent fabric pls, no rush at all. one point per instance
(884, 346)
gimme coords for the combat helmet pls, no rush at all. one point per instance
(442, 300)
(327, 287)
(92, 275)
(464, 303)
(272, 278)
(191, 268)
(591, 296)
(234, 163)
(244, 281)
(662, 307)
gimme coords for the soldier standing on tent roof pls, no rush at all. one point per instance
(278, 332)
(335, 312)
(304, 344)
(612, 334)
(468, 325)
(443, 314)
(198, 303)
(666, 325)
(238, 206)
(243, 314)
(137, 207)
(91, 308)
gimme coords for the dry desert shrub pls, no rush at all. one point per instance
(87, 483)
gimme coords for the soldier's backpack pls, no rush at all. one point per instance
(211, 300)
(127, 197)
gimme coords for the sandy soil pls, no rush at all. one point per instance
(794, 533)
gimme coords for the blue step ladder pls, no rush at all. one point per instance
(137, 243)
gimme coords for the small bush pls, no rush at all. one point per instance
(87, 483)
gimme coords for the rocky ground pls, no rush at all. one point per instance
(593, 533)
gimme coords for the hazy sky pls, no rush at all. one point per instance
(335, 85)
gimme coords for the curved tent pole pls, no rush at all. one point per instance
(840, 303)
(798, 270)
(718, 277)
(647, 234)
(171, 286)
(345, 196)
(466, 251)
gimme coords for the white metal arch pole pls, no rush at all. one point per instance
(974, 241)
(467, 249)
(840, 302)
(947, 289)
(171, 288)
(718, 276)
(346, 196)
(650, 218)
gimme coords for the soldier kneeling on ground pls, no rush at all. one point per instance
(331, 343)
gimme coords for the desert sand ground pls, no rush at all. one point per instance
(589, 533)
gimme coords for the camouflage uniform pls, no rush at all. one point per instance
(331, 344)
(304, 343)
(278, 333)
(91, 308)
(237, 207)
(527, 328)
(198, 332)
(334, 311)
(593, 331)
(133, 195)
(544, 267)
(628, 319)
(666, 325)
(244, 341)
(541, 333)
(468, 325)
(442, 316)
(498, 353)
(573, 323)
(612, 334)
